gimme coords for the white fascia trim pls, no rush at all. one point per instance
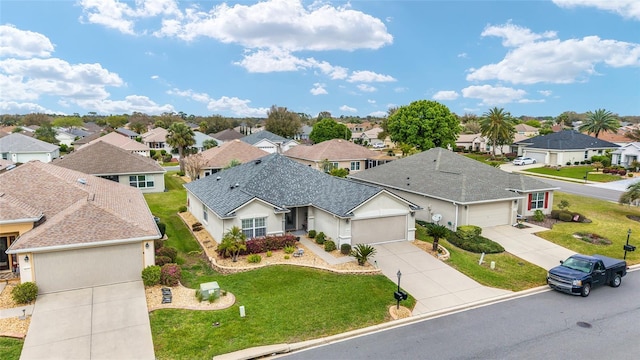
(16, 221)
(83, 245)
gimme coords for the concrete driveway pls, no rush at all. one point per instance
(105, 322)
(433, 283)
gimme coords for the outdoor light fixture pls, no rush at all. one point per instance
(26, 258)
(346, 220)
(146, 245)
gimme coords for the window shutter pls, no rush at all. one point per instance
(546, 199)
(529, 203)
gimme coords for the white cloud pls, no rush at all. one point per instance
(318, 89)
(400, 89)
(369, 76)
(463, 55)
(278, 60)
(379, 114)
(348, 108)
(544, 59)
(370, 101)
(199, 97)
(130, 104)
(366, 88)
(120, 16)
(12, 107)
(490, 95)
(626, 8)
(24, 44)
(236, 106)
(155, 77)
(446, 95)
(545, 92)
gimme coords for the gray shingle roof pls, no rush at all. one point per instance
(446, 175)
(566, 140)
(18, 143)
(281, 182)
(264, 134)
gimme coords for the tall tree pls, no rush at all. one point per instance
(631, 195)
(599, 121)
(209, 143)
(327, 129)
(497, 125)
(180, 136)
(46, 133)
(36, 119)
(193, 164)
(324, 115)
(116, 121)
(283, 122)
(138, 126)
(68, 122)
(424, 124)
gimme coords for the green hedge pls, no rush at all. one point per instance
(478, 244)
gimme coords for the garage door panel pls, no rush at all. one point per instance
(369, 231)
(76, 269)
(538, 157)
(490, 214)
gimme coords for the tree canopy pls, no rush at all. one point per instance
(497, 125)
(67, 122)
(180, 136)
(283, 122)
(327, 129)
(424, 124)
(599, 121)
(46, 133)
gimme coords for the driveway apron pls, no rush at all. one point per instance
(105, 322)
(434, 284)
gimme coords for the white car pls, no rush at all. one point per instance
(524, 161)
(378, 146)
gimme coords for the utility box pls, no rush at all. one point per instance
(210, 289)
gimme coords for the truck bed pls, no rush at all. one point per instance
(610, 262)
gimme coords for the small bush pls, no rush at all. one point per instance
(199, 296)
(213, 297)
(182, 209)
(197, 228)
(158, 243)
(565, 216)
(287, 257)
(469, 232)
(538, 215)
(168, 251)
(345, 249)
(151, 275)
(477, 245)
(329, 245)
(163, 228)
(162, 260)
(320, 238)
(630, 174)
(312, 234)
(269, 253)
(289, 249)
(180, 173)
(568, 163)
(263, 244)
(196, 224)
(622, 172)
(170, 274)
(254, 258)
(576, 163)
(25, 293)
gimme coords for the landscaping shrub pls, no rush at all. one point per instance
(565, 216)
(158, 243)
(254, 258)
(538, 215)
(622, 172)
(345, 249)
(168, 251)
(163, 228)
(196, 224)
(24, 293)
(312, 234)
(606, 170)
(161, 260)
(555, 214)
(182, 209)
(289, 249)
(477, 245)
(263, 244)
(180, 173)
(199, 295)
(568, 163)
(151, 275)
(329, 245)
(320, 238)
(269, 253)
(287, 257)
(469, 232)
(422, 223)
(362, 252)
(170, 274)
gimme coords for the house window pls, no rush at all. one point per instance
(355, 165)
(141, 181)
(586, 154)
(254, 227)
(205, 214)
(5, 156)
(334, 165)
(536, 200)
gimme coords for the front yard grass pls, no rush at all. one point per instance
(10, 348)
(576, 172)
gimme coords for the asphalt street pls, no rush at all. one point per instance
(610, 192)
(548, 325)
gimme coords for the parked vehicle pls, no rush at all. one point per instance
(524, 161)
(378, 146)
(580, 273)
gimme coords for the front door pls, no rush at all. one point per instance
(5, 241)
(290, 220)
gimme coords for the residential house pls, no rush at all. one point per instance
(337, 153)
(122, 142)
(370, 137)
(21, 149)
(627, 155)
(303, 136)
(219, 157)
(87, 139)
(479, 143)
(64, 137)
(156, 139)
(456, 190)
(619, 137)
(200, 138)
(526, 130)
(126, 132)
(64, 229)
(274, 195)
(269, 142)
(226, 135)
(563, 148)
(110, 162)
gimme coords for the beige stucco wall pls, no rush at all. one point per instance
(158, 182)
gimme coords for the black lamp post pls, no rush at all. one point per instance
(398, 298)
(585, 176)
(628, 247)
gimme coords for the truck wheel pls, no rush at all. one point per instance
(617, 280)
(586, 290)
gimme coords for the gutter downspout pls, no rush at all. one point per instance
(455, 225)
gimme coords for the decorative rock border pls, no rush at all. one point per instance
(232, 270)
(197, 308)
(445, 253)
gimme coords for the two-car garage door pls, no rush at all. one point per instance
(376, 230)
(75, 269)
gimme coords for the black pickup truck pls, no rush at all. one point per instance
(580, 273)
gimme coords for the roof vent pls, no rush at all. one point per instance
(258, 161)
(237, 185)
(82, 181)
(218, 178)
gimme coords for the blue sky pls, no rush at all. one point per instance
(238, 59)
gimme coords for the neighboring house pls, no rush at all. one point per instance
(69, 230)
(6, 165)
(626, 155)
(122, 142)
(479, 143)
(339, 153)
(21, 149)
(304, 133)
(219, 157)
(369, 137)
(619, 137)
(126, 132)
(64, 137)
(526, 130)
(87, 139)
(200, 138)
(274, 195)
(269, 142)
(226, 135)
(457, 190)
(156, 139)
(113, 163)
(563, 147)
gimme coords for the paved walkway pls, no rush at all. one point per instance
(105, 322)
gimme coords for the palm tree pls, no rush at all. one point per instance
(362, 252)
(437, 232)
(497, 125)
(600, 121)
(631, 195)
(180, 136)
(233, 242)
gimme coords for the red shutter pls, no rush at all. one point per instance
(530, 199)
(546, 199)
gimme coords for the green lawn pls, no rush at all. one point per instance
(510, 273)
(609, 220)
(10, 348)
(576, 172)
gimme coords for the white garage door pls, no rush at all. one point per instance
(492, 214)
(369, 231)
(537, 156)
(76, 269)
